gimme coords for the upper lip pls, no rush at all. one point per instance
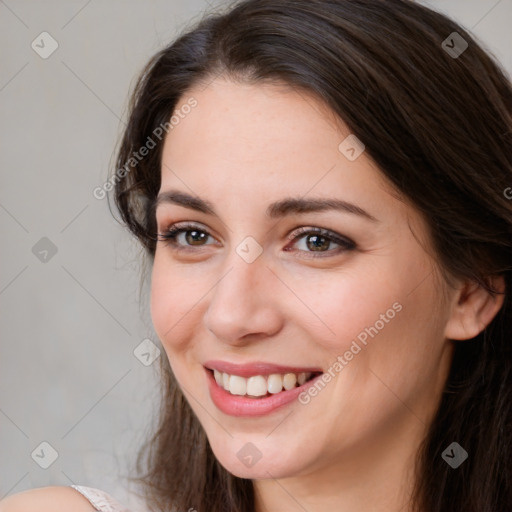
(257, 368)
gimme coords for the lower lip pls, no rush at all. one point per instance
(236, 405)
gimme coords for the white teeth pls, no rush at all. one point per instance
(225, 381)
(259, 385)
(274, 383)
(289, 381)
(256, 386)
(237, 385)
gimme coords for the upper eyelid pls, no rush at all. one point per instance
(184, 226)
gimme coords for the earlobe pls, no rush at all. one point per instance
(474, 308)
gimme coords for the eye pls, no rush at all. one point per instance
(193, 236)
(317, 240)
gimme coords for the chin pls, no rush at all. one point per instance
(256, 458)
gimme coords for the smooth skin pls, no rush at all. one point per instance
(47, 499)
(352, 447)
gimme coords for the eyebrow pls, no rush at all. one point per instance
(282, 208)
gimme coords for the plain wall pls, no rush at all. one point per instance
(69, 325)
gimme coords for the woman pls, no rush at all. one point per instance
(377, 374)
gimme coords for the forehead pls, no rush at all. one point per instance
(256, 119)
(253, 142)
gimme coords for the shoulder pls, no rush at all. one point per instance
(47, 499)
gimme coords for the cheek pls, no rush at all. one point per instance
(390, 338)
(340, 306)
(382, 317)
(159, 299)
(172, 298)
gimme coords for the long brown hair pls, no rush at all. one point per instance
(436, 118)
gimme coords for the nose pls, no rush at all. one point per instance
(243, 304)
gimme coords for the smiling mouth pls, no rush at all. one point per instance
(261, 386)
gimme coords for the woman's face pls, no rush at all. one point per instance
(253, 283)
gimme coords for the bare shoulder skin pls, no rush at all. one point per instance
(47, 499)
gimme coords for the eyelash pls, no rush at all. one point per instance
(172, 232)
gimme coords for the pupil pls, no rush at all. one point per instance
(315, 245)
(192, 237)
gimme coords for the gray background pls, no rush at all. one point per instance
(69, 325)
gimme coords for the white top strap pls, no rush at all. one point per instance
(100, 500)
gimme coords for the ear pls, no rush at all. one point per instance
(474, 308)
